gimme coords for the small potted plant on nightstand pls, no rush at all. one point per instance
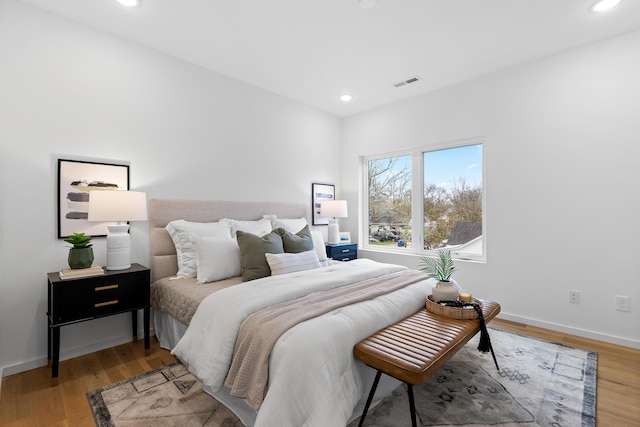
(441, 268)
(81, 254)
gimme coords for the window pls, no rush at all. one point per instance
(390, 201)
(451, 208)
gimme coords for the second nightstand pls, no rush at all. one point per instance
(342, 251)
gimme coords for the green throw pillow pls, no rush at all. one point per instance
(252, 252)
(298, 242)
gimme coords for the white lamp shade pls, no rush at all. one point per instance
(334, 208)
(118, 206)
(114, 205)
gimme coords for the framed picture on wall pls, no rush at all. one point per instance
(76, 180)
(319, 194)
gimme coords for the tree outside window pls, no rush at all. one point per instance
(452, 203)
(390, 201)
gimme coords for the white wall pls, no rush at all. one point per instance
(562, 182)
(561, 138)
(69, 91)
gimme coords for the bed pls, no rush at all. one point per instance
(309, 376)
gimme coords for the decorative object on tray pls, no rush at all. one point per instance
(465, 310)
(70, 273)
(445, 291)
(441, 268)
(465, 296)
(81, 254)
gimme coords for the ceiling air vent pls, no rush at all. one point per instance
(407, 81)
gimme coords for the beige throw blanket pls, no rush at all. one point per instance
(249, 372)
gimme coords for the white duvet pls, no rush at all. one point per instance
(313, 377)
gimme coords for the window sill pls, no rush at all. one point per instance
(408, 252)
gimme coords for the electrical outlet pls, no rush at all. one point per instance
(623, 303)
(574, 297)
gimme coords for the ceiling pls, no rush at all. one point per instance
(314, 51)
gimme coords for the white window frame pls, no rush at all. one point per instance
(417, 204)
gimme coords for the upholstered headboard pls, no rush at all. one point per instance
(163, 258)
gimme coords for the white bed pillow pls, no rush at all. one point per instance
(259, 227)
(292, 262)
(179, 230)
(218, 258)
(318, 245)
(292, 225)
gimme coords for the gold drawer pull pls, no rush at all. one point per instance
(104, 288)
(102, 304)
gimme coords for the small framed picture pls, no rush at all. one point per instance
(345, 237)
(319, 194)
(76, 179)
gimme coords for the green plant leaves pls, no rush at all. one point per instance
(440, 267)
(79, 240)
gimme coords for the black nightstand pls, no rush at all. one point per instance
(88, 298)
(342, 251)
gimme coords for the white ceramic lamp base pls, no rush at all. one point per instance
(118, 247)
(333, 232)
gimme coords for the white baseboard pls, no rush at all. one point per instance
(70, 353)
(572, 331)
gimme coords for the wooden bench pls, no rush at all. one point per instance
(415, 347)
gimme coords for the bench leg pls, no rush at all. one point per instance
(370, 398)
(412, 405)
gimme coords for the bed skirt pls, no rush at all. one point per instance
(168, 329)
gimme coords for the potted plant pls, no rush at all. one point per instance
(81, 254)
(441, 268)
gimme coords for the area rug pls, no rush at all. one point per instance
(539, 384)
(167, 396)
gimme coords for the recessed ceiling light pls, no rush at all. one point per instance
(367, 4)
(346, 97)
(129, 3)
(604, 5)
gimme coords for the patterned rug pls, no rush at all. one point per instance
(539, 384)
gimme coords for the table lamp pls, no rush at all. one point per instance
(336, 209)
(119, 206)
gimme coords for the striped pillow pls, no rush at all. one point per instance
(290, 262)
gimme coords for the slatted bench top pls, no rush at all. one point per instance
(415, 347)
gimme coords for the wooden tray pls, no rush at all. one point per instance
(454, 312)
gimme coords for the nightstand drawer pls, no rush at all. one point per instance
(342, 251)
(74, 300)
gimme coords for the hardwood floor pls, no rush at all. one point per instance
(29, 400)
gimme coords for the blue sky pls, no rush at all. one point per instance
(443, 167)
